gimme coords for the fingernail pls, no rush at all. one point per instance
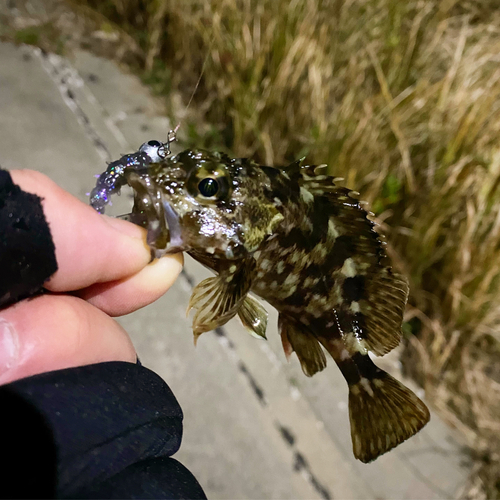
(9, 346)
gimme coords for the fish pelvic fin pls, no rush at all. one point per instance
(295, 337)
(383, 413)
(253, 316)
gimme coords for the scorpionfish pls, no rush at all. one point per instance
(303, 244)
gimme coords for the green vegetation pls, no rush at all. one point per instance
(44, 35)
(402, 99)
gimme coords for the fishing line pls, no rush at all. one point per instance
(203, 67)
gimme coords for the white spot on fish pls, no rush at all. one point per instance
(353, 343)
(332, 230)
(355, 307)
(306, 195)
(257, 254)
(344, 354)
(265, 265)
(349, 268)
(291, 279)
(308, 282)
(232, 268)
(210, 250)
(306, 259)
(366, 386)
(280, 267)
(319, 252)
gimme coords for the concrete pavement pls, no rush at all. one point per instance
(255, 427)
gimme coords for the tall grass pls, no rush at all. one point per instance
(402, 98)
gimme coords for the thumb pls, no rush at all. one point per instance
(52, 332)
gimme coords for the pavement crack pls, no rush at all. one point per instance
(287, 435)
(67, 79)
(253, 384)
(301, 464)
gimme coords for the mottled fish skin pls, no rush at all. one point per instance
(306, 246)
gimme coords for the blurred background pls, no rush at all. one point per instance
(401, 98)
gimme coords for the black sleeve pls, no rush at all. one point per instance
(99, 431)
(27, 252)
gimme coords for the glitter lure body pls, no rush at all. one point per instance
(292, 237)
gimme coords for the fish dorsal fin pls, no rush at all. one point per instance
(373, 297)
(217, 299)
(253, 316)
(296, 338)
(294, 169)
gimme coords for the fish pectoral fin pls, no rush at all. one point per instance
(295, 337)
(217, 299)
(383, 413)
(253, 317)
(383, 310)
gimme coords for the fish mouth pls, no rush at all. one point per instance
(176, 244)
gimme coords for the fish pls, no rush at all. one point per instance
(296, 239)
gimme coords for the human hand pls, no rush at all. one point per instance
(103, 271)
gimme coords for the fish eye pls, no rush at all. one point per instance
(208, 187)
(155, 144)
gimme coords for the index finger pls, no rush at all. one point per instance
(90, 248)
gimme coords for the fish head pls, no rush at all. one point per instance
(215, 204)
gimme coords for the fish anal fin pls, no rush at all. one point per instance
(295, 337)
(253, 316)
(383, 310)
(287, 347)
(383, 413)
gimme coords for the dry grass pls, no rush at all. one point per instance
(402, 98)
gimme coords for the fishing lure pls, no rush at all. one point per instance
(292, 237)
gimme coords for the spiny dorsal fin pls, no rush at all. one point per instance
(296, 338)
(374, 297)
(383, 413)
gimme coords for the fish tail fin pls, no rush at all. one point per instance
(383, 413)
